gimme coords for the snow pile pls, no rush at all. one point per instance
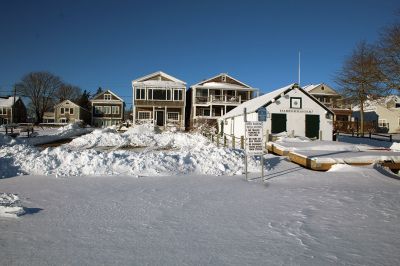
(167, 153)
(344, 168)
(10, 205)
(395, 146)
(285, 137)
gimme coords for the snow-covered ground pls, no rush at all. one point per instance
(46, 135)
(141, 151)
(347, 216)
(193, 206)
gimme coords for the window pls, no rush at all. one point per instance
(107, 97)
(107, 109)
(144, 115)
(206, 112)
(62, 110)
(3, 111)
(168, 95)
(295, 102)
(150, 94)
(115, 109)
(140, 94)
(383, 123)
(98, 110)
(159, 94)
(177, 95)
(173, 116)
(71, 111)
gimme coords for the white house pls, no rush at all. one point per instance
(289, 109)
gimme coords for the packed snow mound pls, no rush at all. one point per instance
(166, 153)
(395, 146)
(139, 136)
(344, 168)
(285, 137)
(10, 205)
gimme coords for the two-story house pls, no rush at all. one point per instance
(212, 98)
(383, 113)
(160, 99)
(12, 110)
(331, 99)
(69, 112)
(107, 109)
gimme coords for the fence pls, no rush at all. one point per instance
(231, 141)
(371, 135)
(354, 126)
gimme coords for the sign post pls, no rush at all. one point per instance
(254, 141)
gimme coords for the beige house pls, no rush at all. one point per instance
(69, 112)
(160, 99)
(331, 99)
(49, 117)
(214, 97)
(12, 110)
(383, 112)
(107, 109)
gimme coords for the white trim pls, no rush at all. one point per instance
(219, 75)
(168, 118)
(104, 92)
(163, 74)
(142, 112)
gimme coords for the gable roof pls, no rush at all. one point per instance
(170, 79)
(266, 99)
(67, 101)
(104, 92)
(330, 91)
(8, 101)
(213, 82)
(372, 104)
(310, 87)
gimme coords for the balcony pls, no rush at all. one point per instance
(219, 99)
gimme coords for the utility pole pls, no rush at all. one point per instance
(299, 69)
(13, 106)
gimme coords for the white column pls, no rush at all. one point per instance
(165, 117)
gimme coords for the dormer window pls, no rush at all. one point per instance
(107, 97)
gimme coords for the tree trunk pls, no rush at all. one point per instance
(362, 116)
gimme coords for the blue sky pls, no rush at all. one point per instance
(110, 43)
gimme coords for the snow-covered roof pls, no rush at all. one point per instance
(172, 80)
(8, 101)
(253, 104)
(310, 87)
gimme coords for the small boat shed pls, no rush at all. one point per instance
(289, 109)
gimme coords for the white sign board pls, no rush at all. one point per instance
(254, 138)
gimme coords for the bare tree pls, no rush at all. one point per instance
(361, 77)
(40, 88)
(68, 92)
(389, 48)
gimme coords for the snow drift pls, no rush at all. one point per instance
(165, 153)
